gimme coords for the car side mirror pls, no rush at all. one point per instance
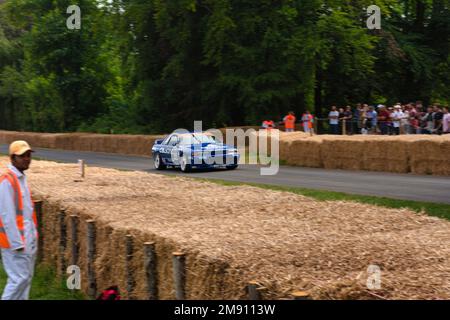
(159, 141)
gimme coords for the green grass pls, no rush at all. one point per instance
(440, 210)
(46, 286)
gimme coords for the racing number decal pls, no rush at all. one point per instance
(175, 155)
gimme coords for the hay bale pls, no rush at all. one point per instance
(303, 152)
(7, 136)
(430, 155)
(386, 154)
(124, 144)
(342, 152)
(287, 149)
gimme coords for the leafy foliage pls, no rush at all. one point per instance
(144, 66)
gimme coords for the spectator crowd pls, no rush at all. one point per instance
(411, 118)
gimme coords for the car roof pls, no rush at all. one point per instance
(191, 133)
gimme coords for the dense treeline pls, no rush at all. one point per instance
(155, 65)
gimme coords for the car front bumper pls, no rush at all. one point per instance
(215, 161)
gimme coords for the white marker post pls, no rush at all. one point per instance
(82, 168)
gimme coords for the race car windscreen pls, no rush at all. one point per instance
(196, 138)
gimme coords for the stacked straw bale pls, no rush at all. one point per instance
(430, 155)
(342, 152)
(302, 152)
(420, 154)
(123, 144)
(386, 154)
(232, 235)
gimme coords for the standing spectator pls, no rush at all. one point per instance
(427, 121)
(420, 112)
(289, 122)
(446, 121)
(364, 122)
(371, 116)
(307, 120)
(397, 116)
(415, 125)
(412, 110)
(333, 117)
(437, 119)
(419, 106)
(405, 121)
(356, 118)
(389, 122)
(363, 119)
(383, 119)
(341, 120)
(348, 116)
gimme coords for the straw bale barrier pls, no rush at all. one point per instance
(302, 152)
(280, 137)
(119, 143)
(234, 235)
(430, 156)
(420, 154)
(342, 152)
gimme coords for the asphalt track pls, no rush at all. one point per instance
(391, 185)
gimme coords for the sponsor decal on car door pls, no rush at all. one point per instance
(166, 150)
(175, 155)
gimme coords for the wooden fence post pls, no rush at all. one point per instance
(179, 274)
(128, 260)
(150, 270)
(253, 292)
(301, 295)
(74, 236)
(82, 168)
(62, 241)
(91, 238)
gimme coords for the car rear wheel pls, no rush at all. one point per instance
(159, 164)
(184, 166)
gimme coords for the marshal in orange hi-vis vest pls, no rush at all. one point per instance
(12, 179)
(289, 122)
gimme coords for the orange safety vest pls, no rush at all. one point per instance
(12, 178)
(289, 123)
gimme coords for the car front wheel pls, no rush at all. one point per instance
(157, 160)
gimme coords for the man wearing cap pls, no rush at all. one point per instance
(397, 116)
(18, 229)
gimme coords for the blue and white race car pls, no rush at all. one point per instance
(193, 150)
